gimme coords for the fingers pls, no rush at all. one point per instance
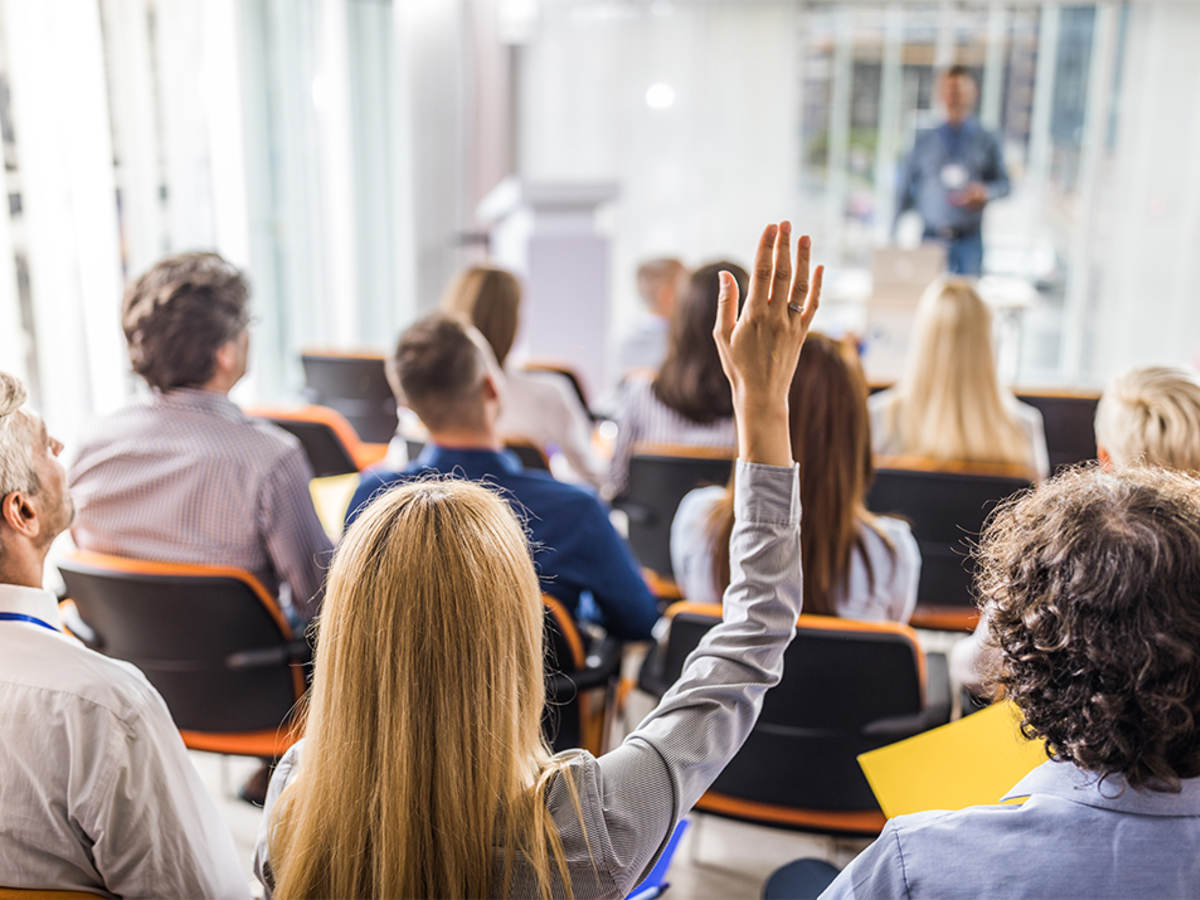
(760, 279)
(727, 303)
(800, 284)
(814, 298)
(782, 264)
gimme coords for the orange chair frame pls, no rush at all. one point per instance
(362, 454)
(267, 743)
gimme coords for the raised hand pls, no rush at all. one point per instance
(760, 347)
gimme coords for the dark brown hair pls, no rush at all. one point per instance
(490, 299)
(831, 440)
(1091, 582)
(179, 313)
(437, 367)
(691, 380)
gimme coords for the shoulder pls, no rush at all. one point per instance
(696, 506)
(89, 680)
(540, 490)
(372, 483)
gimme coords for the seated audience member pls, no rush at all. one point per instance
(949, 405)
(538, 406)
(470, 803)
(1092, 587)
(688, 401)
(97, 794)
(445, 373)
(644, 345)
(1148, 416)
(185, 476)
(856, 565)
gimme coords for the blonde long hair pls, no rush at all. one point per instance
(424, 772)
(948, 404)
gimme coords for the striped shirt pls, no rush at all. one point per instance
(644, 419)
(187, 477)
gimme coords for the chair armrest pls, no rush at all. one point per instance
(650, 675)
(937, 704)
(266, 657)
(73, 622)
(603, 666)
(636, 512)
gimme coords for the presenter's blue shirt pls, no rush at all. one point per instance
(576, 550)
(945, 159)
(1074, 836)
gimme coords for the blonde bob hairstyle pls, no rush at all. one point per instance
(1151, 416)
(424, 771)
(948, 404)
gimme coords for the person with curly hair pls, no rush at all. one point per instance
(1091, 587)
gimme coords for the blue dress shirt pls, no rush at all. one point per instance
(976, 154)
(1073, 837)
(576, 549)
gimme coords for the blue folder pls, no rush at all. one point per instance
(656, 882)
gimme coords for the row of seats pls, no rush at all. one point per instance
(244, 647)
(849, 686)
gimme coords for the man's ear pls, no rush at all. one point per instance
(393, 380)
(19, 515)
(1105, 460)
(227, 356)
(489, 388)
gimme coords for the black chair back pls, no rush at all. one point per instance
(1069, 421)
(946, 511)
(659, 478)
(209, 643)
(847, 687)
(357, 387)
(326, 452)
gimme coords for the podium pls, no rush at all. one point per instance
(547, 232)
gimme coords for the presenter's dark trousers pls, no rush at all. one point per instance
(964, 250)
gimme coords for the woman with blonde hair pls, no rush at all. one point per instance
(949, 405)
(856, 564)
(1150, 416)
(423, 771)
(537, 406)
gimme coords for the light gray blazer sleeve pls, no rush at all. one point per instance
(648, 783)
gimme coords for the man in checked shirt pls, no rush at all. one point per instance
(184, 475)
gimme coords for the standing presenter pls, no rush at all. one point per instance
(952, 173)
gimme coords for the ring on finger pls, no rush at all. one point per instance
(795, 307)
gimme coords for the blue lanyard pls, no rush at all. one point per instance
(21, 617)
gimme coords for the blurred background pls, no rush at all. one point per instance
(352, 154)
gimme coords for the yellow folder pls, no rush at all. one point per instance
(969, 762)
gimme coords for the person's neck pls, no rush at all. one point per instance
(218, 384)
(467, 439)
(956, 123)
(22, 566)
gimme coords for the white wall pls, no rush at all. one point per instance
(697, 179)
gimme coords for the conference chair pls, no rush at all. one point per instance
(847, 687)
(44, 894)
(570, 375)
(1069, 418)
(355, 384)
(581, 683)
(211, 639)
(331, 445)
(946, 505)
(660, 475)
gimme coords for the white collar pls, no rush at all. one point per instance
(28, 601)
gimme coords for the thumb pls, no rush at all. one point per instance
(727, 302)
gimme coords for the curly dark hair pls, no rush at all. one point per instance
(1092, 586)
(178, 313)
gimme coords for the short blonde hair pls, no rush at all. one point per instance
(17, 471)
(1151, 415)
